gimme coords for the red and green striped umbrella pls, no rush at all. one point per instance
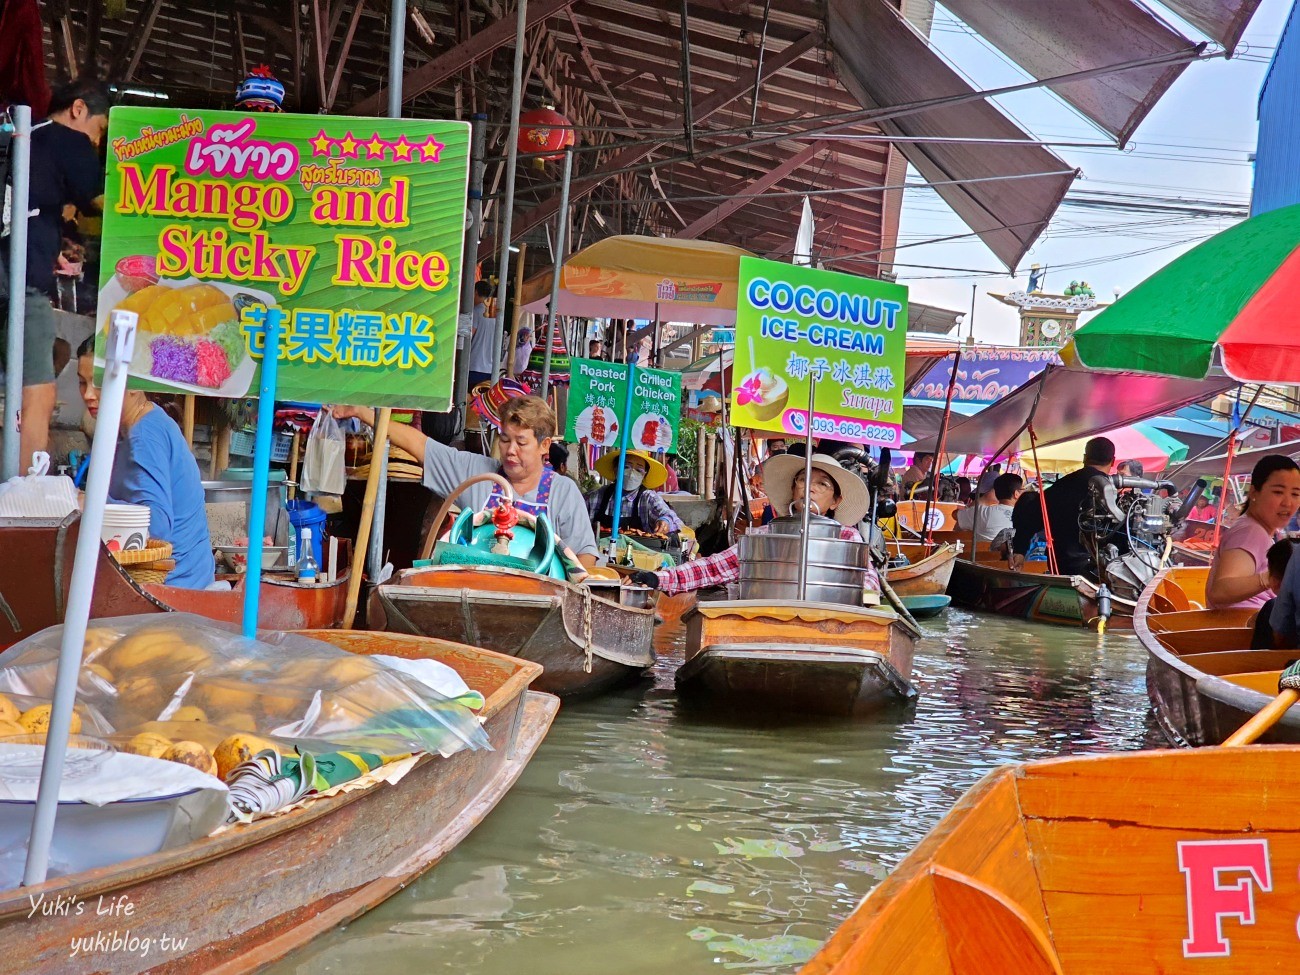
(1237, 293)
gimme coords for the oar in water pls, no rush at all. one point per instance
(1288, 687)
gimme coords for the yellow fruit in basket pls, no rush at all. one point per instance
(236, 750)
(148, 744)
(142, 695)
(10, 728)
(301, 673)
(143, 650)
(98, 639)
(37, 720)
(207, 735)
(193, 754)
(189, 713)
(100, 671)
(222, 698)
(352, 670)
(281, 707)
(242, 721)
(8, 709)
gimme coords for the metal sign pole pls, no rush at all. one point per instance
(274, 321)
(807, 489)
(22, 156)
(508, 206)
(477, 166)
(117, 359)
(624, 438)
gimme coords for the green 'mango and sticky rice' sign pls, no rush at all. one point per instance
(795, 323)
(348, 231)
(598, 396)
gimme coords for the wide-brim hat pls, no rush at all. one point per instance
(607, 467)
(778, 481)
(488, 398)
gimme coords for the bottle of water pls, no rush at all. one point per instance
(307, 568)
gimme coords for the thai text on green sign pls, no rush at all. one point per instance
(796, 323)
(598, 396)
(347, 231)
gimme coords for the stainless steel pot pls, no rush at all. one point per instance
(769, 566)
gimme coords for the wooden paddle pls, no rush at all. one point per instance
(895, 602)
(1269, 715)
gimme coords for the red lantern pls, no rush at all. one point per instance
(538, 133)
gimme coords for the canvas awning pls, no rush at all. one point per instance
(1243, 462)
(1073, 402)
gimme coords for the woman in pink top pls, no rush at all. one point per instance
(1239, 575)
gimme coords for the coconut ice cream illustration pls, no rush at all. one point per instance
(764, 393)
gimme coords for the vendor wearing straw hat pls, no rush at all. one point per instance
(835, 492)
(643, 509)
(526, 426)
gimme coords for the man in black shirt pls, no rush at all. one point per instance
(1065, 500)
(65, 169)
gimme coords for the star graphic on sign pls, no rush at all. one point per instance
(402, 149)
(375, 148)
(430, 149)
(348, 146)
(320, 146)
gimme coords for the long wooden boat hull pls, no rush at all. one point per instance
(805, 658)
(236, 901)
(1203, 679)
(1032, 596)
(36, 574)
(928, 575)
(586, 644)
(1148, 863)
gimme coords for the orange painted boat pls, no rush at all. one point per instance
(239, 900)
(1203, 679)
(36, 571)
(1032, 594)
(928, 572)
(798, 657)
(1149, 863)
(587, 644)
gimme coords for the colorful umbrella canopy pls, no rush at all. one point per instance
(1237, 293)
(1152, 448)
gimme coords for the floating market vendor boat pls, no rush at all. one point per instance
(1033, 594)
(928, 571)
(1151, 863)
(1203, 679)
(36, 572)
(588, 639)
(825, 654)
(243, 897)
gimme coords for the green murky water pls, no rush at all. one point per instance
(646, 838)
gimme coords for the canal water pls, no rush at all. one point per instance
(646, 837)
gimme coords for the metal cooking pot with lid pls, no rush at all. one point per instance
(819, 526)
(769, 563)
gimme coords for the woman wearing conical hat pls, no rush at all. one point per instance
(643, 508)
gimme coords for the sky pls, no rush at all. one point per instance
(1195, 145)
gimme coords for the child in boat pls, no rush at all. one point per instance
(1268, 637)
(836, 492)
(1239, 573)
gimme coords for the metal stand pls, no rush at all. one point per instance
(22, 157)
(561, 231)
(807, 489)
(508, 206)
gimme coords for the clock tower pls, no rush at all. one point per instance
(1049, 321)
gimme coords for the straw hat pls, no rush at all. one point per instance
(607, 467)
(780, 471)
(487, 400)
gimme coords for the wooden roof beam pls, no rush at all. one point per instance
(484, 42)
(746, 194)
(632, 155)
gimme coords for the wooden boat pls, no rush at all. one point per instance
(586, 643)
(925, 607)
(927, 574)
(808, 658)
(36, 571)
(1203, 679)
(1148, 863)
(237, 901)
(1032, 594)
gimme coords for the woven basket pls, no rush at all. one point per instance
(140, 563)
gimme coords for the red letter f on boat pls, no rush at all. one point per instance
(1210, 898)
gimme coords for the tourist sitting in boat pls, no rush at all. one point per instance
(836, 493)
(1065, 499)
(918, 475)
(154, 467)
(1204, 510)
(643, 509)
(1282, 634)
(527, 426)
(990, 520)
(1239, 573)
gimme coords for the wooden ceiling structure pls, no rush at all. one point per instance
(718, 137)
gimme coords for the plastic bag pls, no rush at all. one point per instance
(322, 465)
(175, 677)
(38, 495)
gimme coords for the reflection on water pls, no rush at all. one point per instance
(647, 838)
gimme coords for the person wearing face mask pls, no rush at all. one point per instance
(643, 509)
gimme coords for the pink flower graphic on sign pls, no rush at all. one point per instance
(750, 391)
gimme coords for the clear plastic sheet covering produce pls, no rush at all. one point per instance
(168, 678)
